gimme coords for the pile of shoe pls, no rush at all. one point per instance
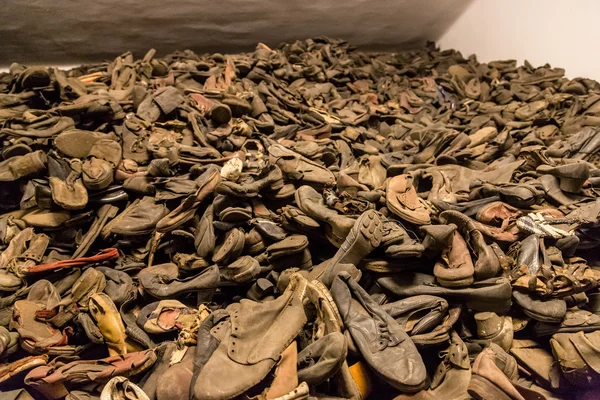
(310, 221)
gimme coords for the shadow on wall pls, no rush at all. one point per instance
(69, 32)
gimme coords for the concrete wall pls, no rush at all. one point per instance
(67, 32)
(563, 33)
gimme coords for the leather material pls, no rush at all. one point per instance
(163, 286)
(529, 254)
(298, 167)
(109, 321)
(313, 205)
(251, 341)
(487, 295)
(402, 200)
(205, 239)
(187, 209)
(551, 311)
(456, 268)
(382, 342)
(88, 284)
(363, 238)
(321, 359)
(139, 218)
(428, 310)
(485, 367)
(452, 376)
(61, 371)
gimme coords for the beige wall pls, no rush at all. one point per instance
(563, 33)
(67, 32)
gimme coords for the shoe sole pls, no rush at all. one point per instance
(324, 293)
(368, 227)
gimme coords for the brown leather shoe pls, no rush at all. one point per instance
(187, 209)
(402, 200)
(249, 339)
(489, 382)
(456, 267)
(571, 176)
(452, 376)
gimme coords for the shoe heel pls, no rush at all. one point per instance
(482, 389)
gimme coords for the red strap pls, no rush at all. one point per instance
(106, 254)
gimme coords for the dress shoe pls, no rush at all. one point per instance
(380, 339)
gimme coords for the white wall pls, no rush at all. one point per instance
(564, 33)
(73, 31)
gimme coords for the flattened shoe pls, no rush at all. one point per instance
(312, 204)
(161, 281)
(402, 200)
(52, 379)
(381, 340)
(247, 343)
(23, 166)
(540, 363)
(250, 189)
(321, 359)
(139, 218)
(574, 321)
(78, 143)
(187, 209)
(16, 369)
(205, 239)
(67, 187)
(99, 169)
(297, 167)
(552, 311)
(418, 314)
(487, 295)
(165, 316)
(35, 335)
(571, 176)
(577, 354)
(88, 284)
